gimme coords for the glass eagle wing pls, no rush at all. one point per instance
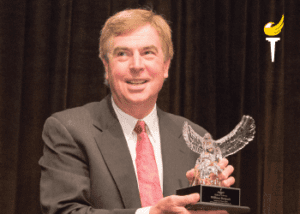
(238, 138)
(192, 139)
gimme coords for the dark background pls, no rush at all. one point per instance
(221, 70)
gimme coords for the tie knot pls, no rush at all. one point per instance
(140, 127)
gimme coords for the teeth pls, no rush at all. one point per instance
(136, 81)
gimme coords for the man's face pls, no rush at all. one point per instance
(136, 69)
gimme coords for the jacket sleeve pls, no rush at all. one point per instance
(65, 177)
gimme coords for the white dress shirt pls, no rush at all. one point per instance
(152, 128)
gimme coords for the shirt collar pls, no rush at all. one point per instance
(128, 122)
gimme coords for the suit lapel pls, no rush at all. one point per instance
(112, 144)
(174, 155)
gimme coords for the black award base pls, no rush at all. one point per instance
(215, 198)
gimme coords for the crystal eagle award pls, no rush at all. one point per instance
(213, 196)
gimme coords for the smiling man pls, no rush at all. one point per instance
(122, 154)
(136, 70)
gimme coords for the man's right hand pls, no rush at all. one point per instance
(176, 204)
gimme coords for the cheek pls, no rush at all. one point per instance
(157, 74)
(117, 73)
(156, 71)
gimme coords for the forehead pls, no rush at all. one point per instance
(141, 37)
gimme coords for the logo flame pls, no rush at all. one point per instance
(274, 30)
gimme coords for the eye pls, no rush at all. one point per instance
(122, 53)
(148, 52)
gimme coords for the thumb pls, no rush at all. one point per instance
(190, 174)
(189, 199)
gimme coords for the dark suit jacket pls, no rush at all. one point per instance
(86, 165)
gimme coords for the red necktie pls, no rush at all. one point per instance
(147, 172)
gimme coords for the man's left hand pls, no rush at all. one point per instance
(224, 176)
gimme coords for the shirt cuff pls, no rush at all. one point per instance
(144, 210)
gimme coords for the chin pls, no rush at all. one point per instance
(137, 100)
(140, 99)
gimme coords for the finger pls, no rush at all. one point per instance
(226, 172)
(218, 212)
(228, 182)
(223, 163)
(190, 174)
(187, 199)
(209, 212)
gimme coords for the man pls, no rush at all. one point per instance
(95, 159)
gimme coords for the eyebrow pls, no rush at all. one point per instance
(117, 49)
(150, 47)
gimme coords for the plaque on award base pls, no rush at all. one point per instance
(215, 198)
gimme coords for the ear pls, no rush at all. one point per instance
(166, 68)
(105, 63)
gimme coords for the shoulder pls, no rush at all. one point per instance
(178, 122)
(86, 114)
(82, 114)
(83, 118)
(70, 122)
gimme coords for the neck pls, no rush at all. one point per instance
(136, 110)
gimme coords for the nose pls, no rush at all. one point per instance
(136, 64)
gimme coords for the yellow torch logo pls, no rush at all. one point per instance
(274, 30)
(271, 30)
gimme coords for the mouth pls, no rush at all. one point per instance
(136, 82)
